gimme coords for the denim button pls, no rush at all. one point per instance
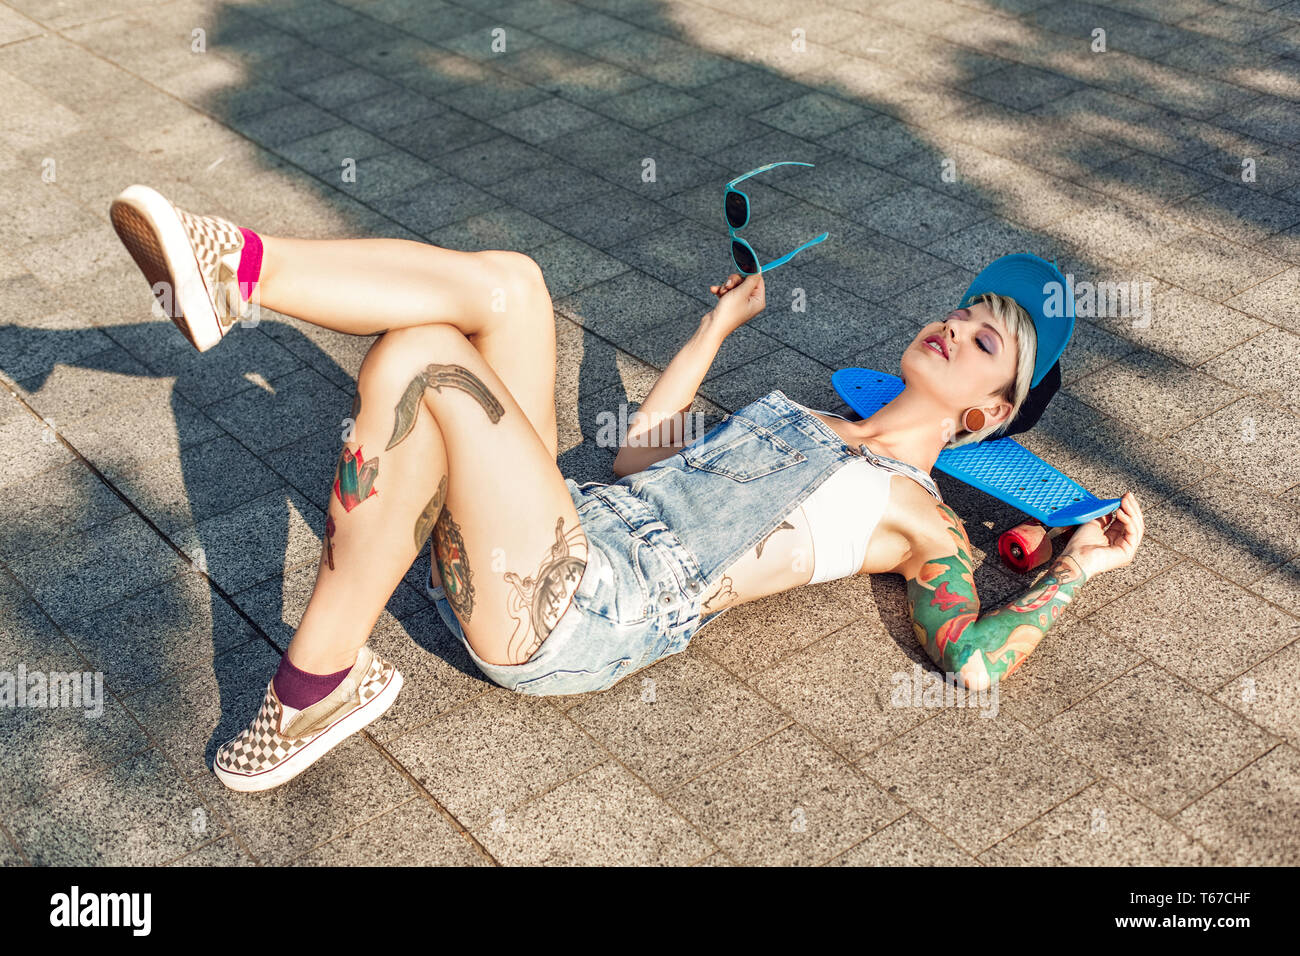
(665, 598)
(693, 585)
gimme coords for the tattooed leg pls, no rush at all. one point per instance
(538, 601)
(438, 377)
(424, 523)
(453, 565)
(983, 648)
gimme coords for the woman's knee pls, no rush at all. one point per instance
(519, 284)
(399, 354)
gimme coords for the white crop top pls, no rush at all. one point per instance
(843, 512)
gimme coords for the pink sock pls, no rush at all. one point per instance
(299, 689)
(250, 263)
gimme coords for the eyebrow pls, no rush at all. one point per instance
(988, 325)
(1002, 341)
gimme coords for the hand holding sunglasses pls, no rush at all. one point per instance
(740, 298)
(735, 209)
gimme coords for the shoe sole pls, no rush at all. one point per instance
(152, 233)
(320, 745)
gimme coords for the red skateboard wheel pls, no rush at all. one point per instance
(1025, 547)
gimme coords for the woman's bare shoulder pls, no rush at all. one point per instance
(930, 528)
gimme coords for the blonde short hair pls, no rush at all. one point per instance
(1019, 324)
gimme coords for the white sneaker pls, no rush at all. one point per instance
(281, 742)
(191, 262)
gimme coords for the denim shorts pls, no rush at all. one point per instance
(638, 601)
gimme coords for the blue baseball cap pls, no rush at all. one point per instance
(1041, 290)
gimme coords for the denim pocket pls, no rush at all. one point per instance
(561, 682)
(753, 453)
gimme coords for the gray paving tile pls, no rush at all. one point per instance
(55, 506)
(803, 379)
(603, 816)
(629, 303)
(1262, 367)
(174, 626)
(414, 834)
(205, 480)
(33, 346)
(1265, 694)
(1211, 266)
(256, 540)
(609, 216)
(570, 265)
(1250, 819)
(135, 813)
(812, 115)
(1250, 437)
(1226, 631)
(114, 559)
(545, 120)
(1269, 300)
(785, 801)
(649, 105)
(55, 737)
(1102, 826)
(976, 779)
(283, 124)
(908, 841)
(1227, 524)
(505, 227)
(350, 786)
(462, 757)
(751, 638)
(1152, 393)
(1146, 731)
(1238, 212)
(324, 153)
(432, 205)
(643, 721)
(288, 407)
(225, 851)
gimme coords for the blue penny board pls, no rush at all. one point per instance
(1002, 468)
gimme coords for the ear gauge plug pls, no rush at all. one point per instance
(973, 419)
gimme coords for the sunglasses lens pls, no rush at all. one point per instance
(737, 207)
(744, 258)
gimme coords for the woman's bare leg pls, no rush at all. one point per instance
(456, 458)
(368, 286)
(497, 298)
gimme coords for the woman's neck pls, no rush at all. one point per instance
(910, 429)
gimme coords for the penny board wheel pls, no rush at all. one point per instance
(1025, 547)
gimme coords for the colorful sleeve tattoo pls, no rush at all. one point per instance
(982, 648)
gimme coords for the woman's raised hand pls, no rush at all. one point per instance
(740, 298)
(1110, 541)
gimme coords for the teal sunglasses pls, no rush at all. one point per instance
(735, 209)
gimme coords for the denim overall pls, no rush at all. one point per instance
(660, 539)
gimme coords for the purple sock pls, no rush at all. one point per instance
(298, 689)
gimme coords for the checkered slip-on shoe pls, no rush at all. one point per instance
(282, 742)
(191, 262)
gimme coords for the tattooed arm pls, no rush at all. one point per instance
(980, 648)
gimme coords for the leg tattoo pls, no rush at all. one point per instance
(453, 564)
(436, 377)
(424, 523)
(539, 601)
(354, 478)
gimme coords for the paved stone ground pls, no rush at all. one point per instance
(1157, 724)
